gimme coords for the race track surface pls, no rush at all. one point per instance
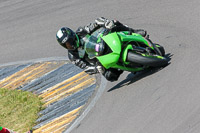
(164, 101)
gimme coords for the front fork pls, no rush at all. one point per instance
(125, 52)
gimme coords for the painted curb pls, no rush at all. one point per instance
(68, 93)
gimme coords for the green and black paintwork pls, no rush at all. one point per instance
(123, 50)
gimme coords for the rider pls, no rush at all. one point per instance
(74, 41)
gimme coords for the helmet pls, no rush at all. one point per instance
(67, 38)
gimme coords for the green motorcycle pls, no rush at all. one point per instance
(123, 50)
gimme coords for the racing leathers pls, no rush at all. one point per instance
(92, 66)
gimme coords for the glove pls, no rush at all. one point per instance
(91, 70)
(110, 24)
(80, 63)
(94, 69)
(101, 21)
(100, 69)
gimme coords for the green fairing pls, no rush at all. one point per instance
(134, 37)
(115, 44)
(119, 43)
(77, 42)
(113, 41)
(108, 60)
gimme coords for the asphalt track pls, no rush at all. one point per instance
(164, 101)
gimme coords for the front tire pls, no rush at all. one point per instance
(161, 49)
(152, 61)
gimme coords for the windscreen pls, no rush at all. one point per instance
(93, 48)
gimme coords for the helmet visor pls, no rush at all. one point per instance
(69, 46)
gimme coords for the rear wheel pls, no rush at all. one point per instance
(147, 60)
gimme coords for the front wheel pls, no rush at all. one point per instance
(161, 49)
(147, 60)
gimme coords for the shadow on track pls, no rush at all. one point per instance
(131, 78)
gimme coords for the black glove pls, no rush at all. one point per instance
(91, 70)
(94, 69)
(101, 21)
(109, 24)
(80, 63)
(82, 31)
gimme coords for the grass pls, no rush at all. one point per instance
(18, 109)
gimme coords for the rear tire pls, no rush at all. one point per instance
(146, 61)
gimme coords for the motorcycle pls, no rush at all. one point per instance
(123, 50)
